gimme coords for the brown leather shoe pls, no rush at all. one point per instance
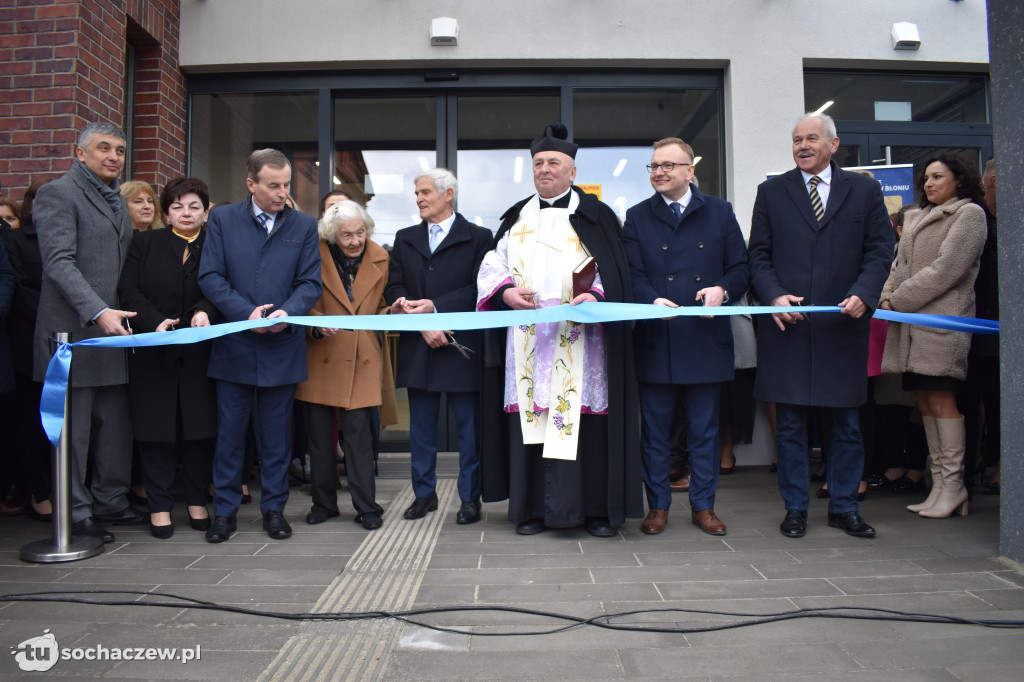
(708, 522)
(680, 486)
(676, 472)
(655, 521)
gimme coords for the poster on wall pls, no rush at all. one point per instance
(897, 181)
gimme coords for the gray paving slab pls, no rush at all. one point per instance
(820, 658)
(680, 572)
(503, 665)
(936, 582)
(511, 594)
(959, 649)
(846, 569)
(720, 556)
(757, 589)
(507, 576)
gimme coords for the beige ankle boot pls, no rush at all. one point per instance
(931, 434)
(953, 496)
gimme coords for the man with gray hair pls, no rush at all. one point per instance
(84, 231)
(433, 269)
(820, 235)
(261, 259)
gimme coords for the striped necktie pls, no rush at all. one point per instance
(819, 210)
(263, 218)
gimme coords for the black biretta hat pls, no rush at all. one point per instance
(554, 139)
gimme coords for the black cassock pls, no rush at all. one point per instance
(604, 481)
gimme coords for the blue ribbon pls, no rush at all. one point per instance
(51, 406)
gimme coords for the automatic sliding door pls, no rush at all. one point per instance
(381, 143)
(493, 160)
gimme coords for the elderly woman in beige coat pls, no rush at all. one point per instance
(346, 368)
(936, 264)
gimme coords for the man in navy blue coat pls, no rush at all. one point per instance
(819, 236)
(261, 259)
(684, 248)
(433, 269)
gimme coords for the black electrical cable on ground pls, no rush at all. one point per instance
(410, 616)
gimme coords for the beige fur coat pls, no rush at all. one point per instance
(936, 264)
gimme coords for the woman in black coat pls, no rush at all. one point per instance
(28, 440)
(174, 405)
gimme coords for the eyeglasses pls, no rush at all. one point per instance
(668, 166)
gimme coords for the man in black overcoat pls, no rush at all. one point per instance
(820, 235)
(433, 269)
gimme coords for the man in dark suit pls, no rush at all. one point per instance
(684, 248)
(84, 231)
(819, 236)
(433, 269)
(261, 259)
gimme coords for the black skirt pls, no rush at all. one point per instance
(924, 382)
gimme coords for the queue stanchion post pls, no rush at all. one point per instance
(63, 546)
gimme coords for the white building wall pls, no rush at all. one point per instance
(762, 45)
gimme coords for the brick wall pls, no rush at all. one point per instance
(62, 64)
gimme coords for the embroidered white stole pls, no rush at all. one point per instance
(543, 251)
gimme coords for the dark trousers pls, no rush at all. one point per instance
(234, 406)
(100, 415)
(424, 407)
(658, 402)
(354, 426)
(845, 456)
(159, 463)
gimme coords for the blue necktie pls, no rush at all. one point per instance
(677, 209)
(435, 237)
(263, 218)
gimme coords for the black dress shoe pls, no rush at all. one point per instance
(469, 512)
(90, 527)
(320, 514)
(531, 527)
(246, 498)
(162, 532)
(370, 520)
(823, 494)
(420, 506)
(129, 516)
(275, 525)
(905, 484)
(795, 524)
(600, 528)
(221, 528)
(852, 524)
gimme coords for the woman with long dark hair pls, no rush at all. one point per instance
(936, 264)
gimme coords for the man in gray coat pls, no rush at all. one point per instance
(84, 230)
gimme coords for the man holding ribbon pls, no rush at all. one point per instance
(432, 269)
(684, 248)
(261, 260)
(572, 453)
(819, 235)
(84, 231)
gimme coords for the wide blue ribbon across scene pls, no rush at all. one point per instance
(51, 406)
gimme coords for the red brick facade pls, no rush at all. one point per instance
(63, 64)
